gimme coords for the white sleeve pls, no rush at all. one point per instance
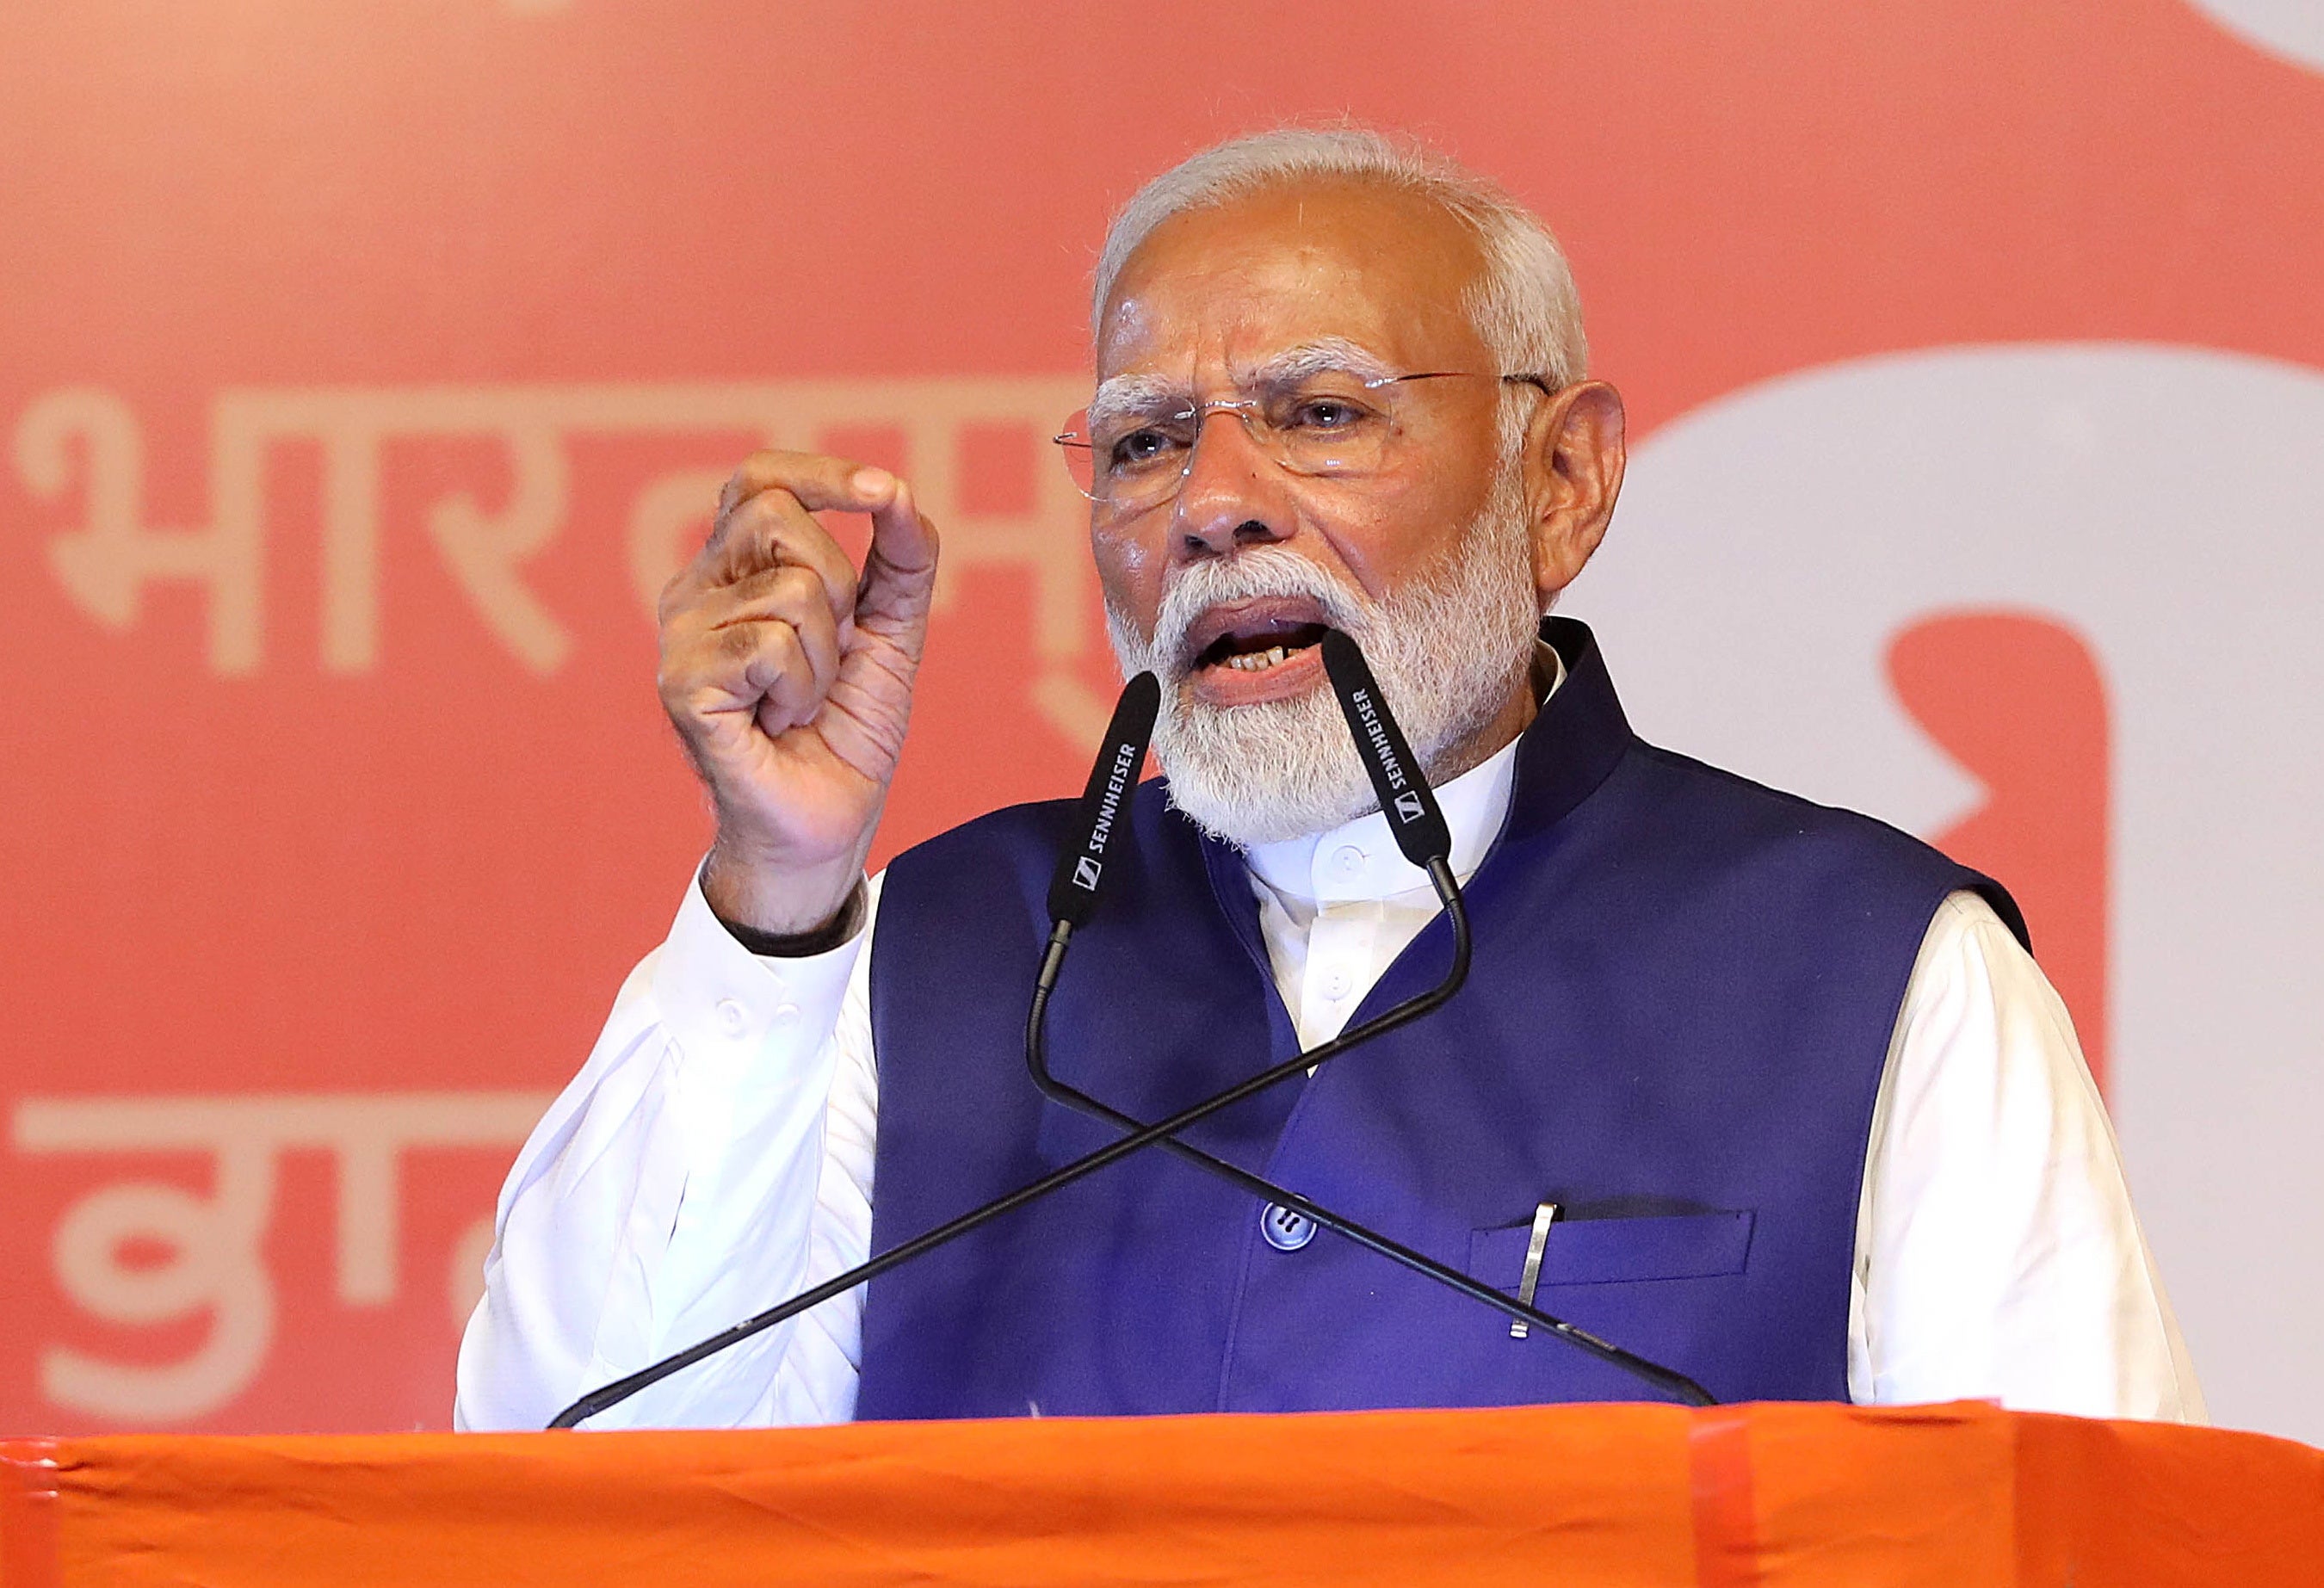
(1997, 1253)
(712, 1157)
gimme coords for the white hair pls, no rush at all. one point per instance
(1522, 303)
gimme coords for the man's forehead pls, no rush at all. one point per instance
(1289, 267)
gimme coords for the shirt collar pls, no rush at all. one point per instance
(1359, 860)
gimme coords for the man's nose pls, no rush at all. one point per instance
(1233, 495)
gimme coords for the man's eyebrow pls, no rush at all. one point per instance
(1324, 356)
(1123, 395)
(1148, 394)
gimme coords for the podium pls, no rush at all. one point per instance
(1763, 1496)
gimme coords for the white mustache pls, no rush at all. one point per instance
(1247, 575)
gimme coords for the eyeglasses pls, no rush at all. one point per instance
(1333, 424)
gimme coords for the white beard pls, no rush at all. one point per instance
(1447, 650)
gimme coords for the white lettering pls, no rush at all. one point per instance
(90, 440)
(216, 1241)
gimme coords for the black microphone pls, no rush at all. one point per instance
(1082, 900)
(1081, 864)
(1405, 799)
(1073, 891)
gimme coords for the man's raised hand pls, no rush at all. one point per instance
(790, 680)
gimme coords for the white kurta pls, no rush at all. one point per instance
(715, 1155)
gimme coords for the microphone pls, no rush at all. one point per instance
(1405, 799)
(1073, 891)
(1073, 901)
(1081, 865)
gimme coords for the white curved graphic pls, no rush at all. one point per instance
(2291, 29)
(2167, 505)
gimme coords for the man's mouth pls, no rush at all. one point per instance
(1256, 649)
(1254, 635)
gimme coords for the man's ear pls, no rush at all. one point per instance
(1573, 471)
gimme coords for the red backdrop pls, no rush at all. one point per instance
(317, 788)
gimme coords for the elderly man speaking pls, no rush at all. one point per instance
(1767, 1093)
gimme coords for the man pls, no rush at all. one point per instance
(1800, 1114)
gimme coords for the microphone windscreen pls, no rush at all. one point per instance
(1405, 797)
(1081, 868)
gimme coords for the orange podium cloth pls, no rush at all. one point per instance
(1767, 1496)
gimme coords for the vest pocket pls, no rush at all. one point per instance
(1605, 1252)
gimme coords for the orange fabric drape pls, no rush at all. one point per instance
(1775, 1496)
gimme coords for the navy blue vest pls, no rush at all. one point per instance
(1682, 994)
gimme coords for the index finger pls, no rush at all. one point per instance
(821, 483)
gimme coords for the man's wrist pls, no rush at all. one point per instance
(844, 924)
(776, 899)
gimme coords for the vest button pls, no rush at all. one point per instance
(1285, 1230)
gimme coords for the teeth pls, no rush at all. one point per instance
(1259, 661)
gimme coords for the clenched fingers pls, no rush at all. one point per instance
(770, 636)
(792, 597)
(715, 682)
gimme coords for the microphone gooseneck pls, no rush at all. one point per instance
(1426, 841)
(1669, 1382)
(1056, 1179)
(1072, 897)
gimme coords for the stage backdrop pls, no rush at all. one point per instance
(366, 367)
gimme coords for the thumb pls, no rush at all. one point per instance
(899, 571)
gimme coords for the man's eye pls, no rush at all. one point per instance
(1326, 413)
(1141, 449)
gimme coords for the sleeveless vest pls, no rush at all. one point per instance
(1681, 1003)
